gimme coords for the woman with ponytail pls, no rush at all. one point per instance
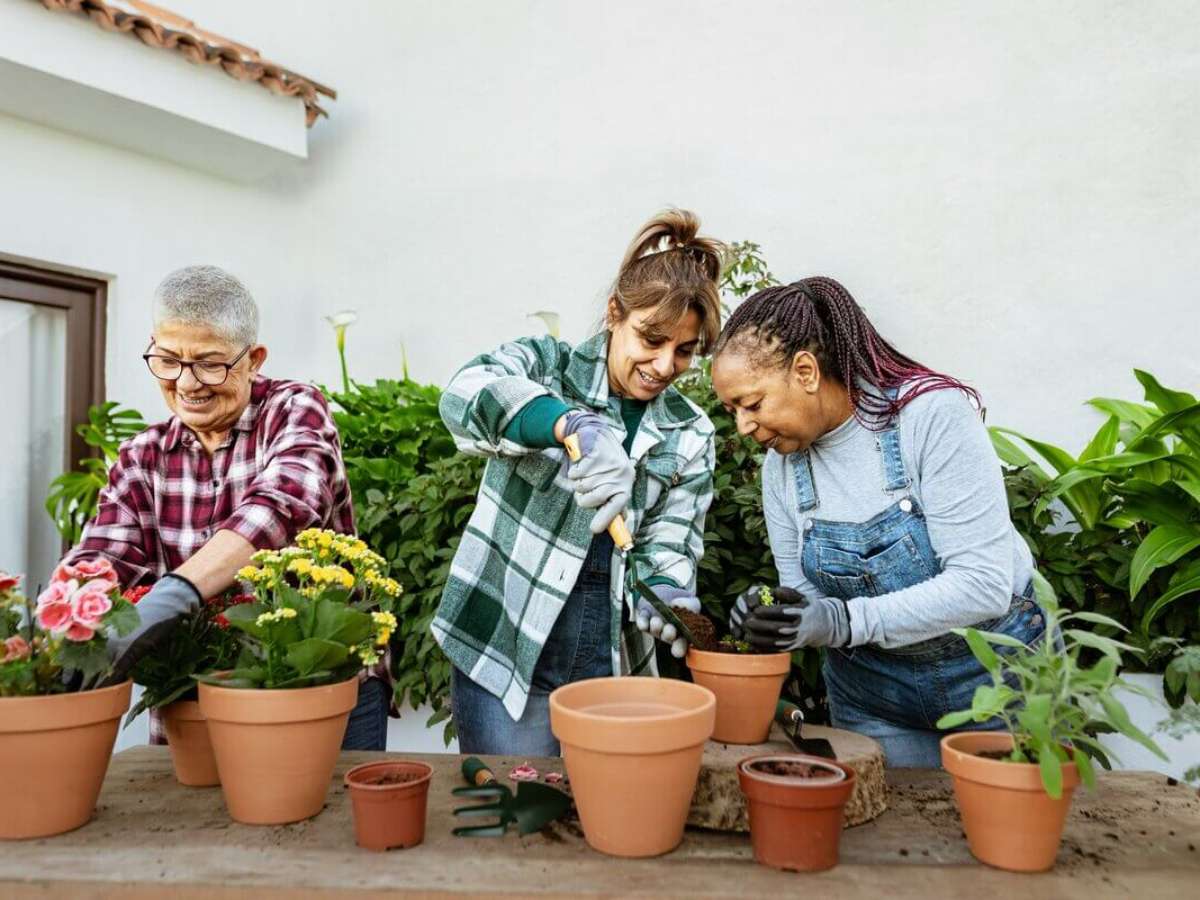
(537, 595)
(885, 509)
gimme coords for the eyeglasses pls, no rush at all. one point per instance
(207, 372)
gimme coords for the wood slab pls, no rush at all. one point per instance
(720, 804)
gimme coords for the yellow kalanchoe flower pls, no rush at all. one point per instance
(248, 573)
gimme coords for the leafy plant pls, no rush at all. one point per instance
(73, 495)
(1131, 548)
(322, 611)
(1051, 703)
(1181, 680)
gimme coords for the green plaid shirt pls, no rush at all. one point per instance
(526, 541)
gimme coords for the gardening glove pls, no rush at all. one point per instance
(647, 618)
(747, 601)
(603, 478)
(794, 621)
(171, 599)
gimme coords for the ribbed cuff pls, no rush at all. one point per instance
(533, 425)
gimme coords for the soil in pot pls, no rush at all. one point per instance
(189, 743)
(389, 800)
(54, 753)
(796, 807)
(703, 630)
(1009, 819)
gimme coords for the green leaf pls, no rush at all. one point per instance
(313, 654)
(1095, 619)
(1107, 646)
(1104, 441)
(1167, 400)
(1161, 547)
(955, 719)
(1119, 719)
(982, 650)
(1182, 589)
(1059, 459)
(1136, 413)
(992, 637)
(243, 616)
(1083, 762)
(123, 618)
(1051, 768)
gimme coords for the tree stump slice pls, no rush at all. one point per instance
(719, 803)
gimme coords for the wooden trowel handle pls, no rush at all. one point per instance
(617, 527)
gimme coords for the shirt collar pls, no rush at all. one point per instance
(178, 433)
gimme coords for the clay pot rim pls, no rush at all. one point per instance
(679, 713)
(751, 665)
(278, 706)
(840, 773)
(183, 710)
(999, 773)
(389, 764)
(45, 712)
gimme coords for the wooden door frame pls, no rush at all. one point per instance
(85, 301)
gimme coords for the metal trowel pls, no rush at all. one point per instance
(791, 719)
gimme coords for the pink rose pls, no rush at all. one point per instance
(54, 612)
(89, 605)
(85, 569)
(15, 648)
(79, 632)
(7, 581)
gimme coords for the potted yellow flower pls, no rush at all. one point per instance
(322, 610)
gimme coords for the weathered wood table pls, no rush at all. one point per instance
(1137, 836)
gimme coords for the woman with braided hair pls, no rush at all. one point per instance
(886, 512)
(537, 596)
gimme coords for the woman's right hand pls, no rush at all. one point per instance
(603, 477)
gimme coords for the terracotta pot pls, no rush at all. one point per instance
(188, 741)
(632, 749)
(389, 815)
(276, 749)
(747, 686)
(54, 752)
(1010, 820)
(796, 822)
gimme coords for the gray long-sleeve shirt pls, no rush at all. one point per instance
(956, 479)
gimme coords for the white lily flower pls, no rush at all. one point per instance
(549, 319)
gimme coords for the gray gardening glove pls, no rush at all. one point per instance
(747, 601)
(603, 478)
(794, 621)
(171, 598)
(647, 618)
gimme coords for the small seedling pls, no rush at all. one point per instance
(764, 597)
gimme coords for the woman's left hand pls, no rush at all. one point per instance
(648, 619)
(807, 622)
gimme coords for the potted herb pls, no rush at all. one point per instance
(796, 805)
(57, 728)
(1014, 787)
(322, 610)
(204, 642)
(746, 683)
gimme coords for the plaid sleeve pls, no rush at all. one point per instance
(482, 399)
(116, 532)
(294, 490)
(670, 540)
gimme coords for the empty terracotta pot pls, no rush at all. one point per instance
(389, 803)
(1010, 820)
(632, 749)
(747, 687)
(188, 741)
(796, 819)
(276, 750)
(54, 753)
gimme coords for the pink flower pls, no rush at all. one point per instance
(15, 648)
(7, 581)
(79, 632)
(84, 570)
(54, 612)
(88, 605)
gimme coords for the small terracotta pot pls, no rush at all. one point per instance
(796, 822)
(632, 749)
(191, 749)
(747, 686)
(54, 753)
(276, 750)
(1010, 820)
(389, 815)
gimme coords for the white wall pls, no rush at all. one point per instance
(1011, 189)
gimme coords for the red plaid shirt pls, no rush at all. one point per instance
(278, 472)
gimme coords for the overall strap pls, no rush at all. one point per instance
(806, 488)
(895, 478)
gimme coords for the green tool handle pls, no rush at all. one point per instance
(788, 713)
(476, 772)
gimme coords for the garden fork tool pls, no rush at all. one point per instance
(532, 807)
(617, 527)
(791, 718)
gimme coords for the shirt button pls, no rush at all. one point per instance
(1036, 620)
(906, 505)
(1027, 605)
(808, 524)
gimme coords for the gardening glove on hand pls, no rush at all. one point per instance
(171, 598)
(603, 478)
(647, 618)
(747, 601)
(793, 621)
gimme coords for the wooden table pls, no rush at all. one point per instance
(1137, 836)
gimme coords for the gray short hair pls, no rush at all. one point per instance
(206, 295)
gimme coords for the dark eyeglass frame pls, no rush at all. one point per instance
(191, 363)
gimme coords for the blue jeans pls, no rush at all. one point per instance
(897, 698)
(579, 646)
(367, 727)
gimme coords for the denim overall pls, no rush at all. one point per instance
(897, 695)
(578, 647)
